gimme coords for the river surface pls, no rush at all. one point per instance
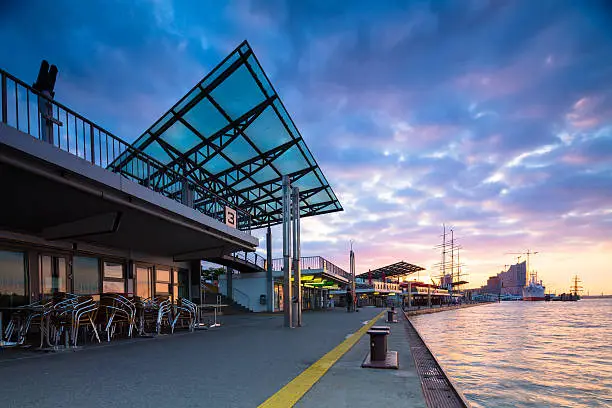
(526, 354)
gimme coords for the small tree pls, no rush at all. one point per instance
(212, 273)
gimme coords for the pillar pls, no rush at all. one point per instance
(352, 272)
(269, 279)
(428, 296)
(287, 301)
(297, 273)
(229, 283)
(409, 295)
(195, 281)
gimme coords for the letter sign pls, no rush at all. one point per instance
(230, 217)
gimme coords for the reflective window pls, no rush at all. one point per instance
(162, 281)
(113, 287)
(163, 275)
(85, 275)
(143, 282)
(113, 270)
(53, 274)
(113, 278)
(13, 284)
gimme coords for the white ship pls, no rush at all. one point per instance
(534, 290)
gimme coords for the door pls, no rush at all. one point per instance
(53, 275)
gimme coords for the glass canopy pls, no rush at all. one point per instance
(232, 136)
(397, 269)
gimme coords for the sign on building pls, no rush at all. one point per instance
(230, 217)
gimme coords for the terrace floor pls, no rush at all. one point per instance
(240, 364)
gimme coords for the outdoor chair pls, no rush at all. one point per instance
(84, 314)
(119, 310)
(184, 310)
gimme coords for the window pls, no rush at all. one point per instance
(114, 280)
(53, 275)
(143, 282)
(162, 281)
(183, 283)
(13, 284)
(85, 275)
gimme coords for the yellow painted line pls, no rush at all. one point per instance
(292, 392)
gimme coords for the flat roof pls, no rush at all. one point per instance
(396, 269)
(232, 135)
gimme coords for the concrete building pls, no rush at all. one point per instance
(85, 212)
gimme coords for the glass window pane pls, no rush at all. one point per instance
(46, 274)
(13, 290)
(113, 270)
(143, 282)
(183, 283)
(59, 280)
(163, 275)
(85, 275)
(162, 288)
(113, 286)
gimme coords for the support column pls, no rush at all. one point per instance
(269, 278)
(187, 197)
(409, 295)
(45, 109)
(287, 301)
(229, 284)
(195, 282)
(428, 296)
(352, 270)
(297, 273)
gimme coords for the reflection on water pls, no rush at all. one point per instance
(526, 354)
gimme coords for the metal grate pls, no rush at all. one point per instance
(438, 389)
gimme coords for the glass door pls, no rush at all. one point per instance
(53, 275)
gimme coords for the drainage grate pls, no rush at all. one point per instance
(438, 390)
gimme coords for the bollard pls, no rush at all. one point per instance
(378, 345)
(379, 356)
(391, 316)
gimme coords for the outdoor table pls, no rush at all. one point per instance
(214, 306)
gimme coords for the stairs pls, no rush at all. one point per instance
(232, 308)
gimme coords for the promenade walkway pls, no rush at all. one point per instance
(242, 364)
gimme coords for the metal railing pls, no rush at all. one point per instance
(314, 262)
(243, 299)
(31, 112)
(251, 257)
(386, 286)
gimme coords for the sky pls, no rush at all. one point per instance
(494, 117)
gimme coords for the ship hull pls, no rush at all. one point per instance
(533, 298)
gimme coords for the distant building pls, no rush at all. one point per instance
(510, 282)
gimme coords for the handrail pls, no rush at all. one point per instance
(45, 118)
(244, 295)
(314, 262)
(250, 257)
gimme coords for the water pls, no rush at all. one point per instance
(526, 354)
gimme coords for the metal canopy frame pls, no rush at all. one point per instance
(232, 135)
(397, 269)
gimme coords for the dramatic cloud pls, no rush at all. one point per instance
(492, 116)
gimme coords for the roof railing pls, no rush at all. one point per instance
(314, 262)
(25, 109)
